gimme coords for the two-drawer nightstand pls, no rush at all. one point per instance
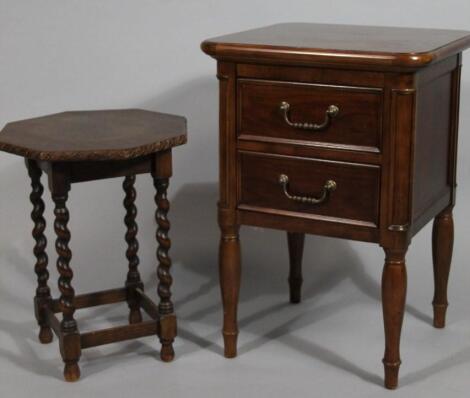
(342, 131)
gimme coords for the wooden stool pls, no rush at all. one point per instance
(84, 146)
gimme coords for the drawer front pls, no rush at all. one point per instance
(357, 125)
(355, 198)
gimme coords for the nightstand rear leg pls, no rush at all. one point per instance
(229, 264)
(442, 245)
(295, 243)
(393, 302)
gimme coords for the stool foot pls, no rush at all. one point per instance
(71, 372)
(45, 335)
(230, 344)
(391, 375)
(135, 316)
(167, 354)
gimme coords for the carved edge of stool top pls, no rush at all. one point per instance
(94, 135)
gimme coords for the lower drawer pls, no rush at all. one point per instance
(311, 188)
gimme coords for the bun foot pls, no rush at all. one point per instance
(45, 335)
(135, 316)
(230, 345)
(71, 372)
(167, 354)
(391, 375)
(440, 316)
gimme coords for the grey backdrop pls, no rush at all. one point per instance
(80, 54)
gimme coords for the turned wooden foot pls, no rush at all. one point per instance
(71, 372)
(133, 280)
(442, 245)
(296, 247)
(229, 273)
(393, 302)
(167, 331)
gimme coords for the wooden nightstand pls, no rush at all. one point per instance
(342, 131)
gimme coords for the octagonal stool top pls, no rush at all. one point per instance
(93, 135)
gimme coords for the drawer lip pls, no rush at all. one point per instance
(308, 216)
(252, 135)
(273, 211)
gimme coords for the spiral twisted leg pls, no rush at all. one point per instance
(43, 293)
(166, 311)
(70, 341)
(133, 280)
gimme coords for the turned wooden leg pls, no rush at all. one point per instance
(295, 243)
(229, 273)
(393, 302)
(165, 307)
(43, 293)
(133, 280)
(70, 339)
(442, 245)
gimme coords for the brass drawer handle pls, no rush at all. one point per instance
(330, 113)
(329, 186)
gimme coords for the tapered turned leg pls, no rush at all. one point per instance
(393, 302)
(295, 243)
(70, 339)
(43, 293)
(165, 307)
(133, 280)
(229, 273)
(442, 245)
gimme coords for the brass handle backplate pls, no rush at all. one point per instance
(330, 113)
(329, 186)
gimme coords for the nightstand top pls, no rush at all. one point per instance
(308, 43)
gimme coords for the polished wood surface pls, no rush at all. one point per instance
(339, 45)
(355, 199)
(357, 125)
(89, 163)
(391, 150)
(93, 135)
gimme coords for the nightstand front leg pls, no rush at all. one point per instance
(229, 264)
(393, 302)
(295, 243)
(442, 245)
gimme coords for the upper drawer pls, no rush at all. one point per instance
(313, 114)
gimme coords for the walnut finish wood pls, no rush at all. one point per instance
(393, 302)
(355, 200)
(442, 245)
(295, 243)
(391, 149)
(70, 336)
(386, 48)
(93, 135)
(43, 292)
(133, 280)
(86, 146)
(356, 126)
(161, 175)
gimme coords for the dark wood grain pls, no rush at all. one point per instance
(339, 45)
(75, 147)
(93, 135)
(356, 197)
(392, 148)
(357, 126)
